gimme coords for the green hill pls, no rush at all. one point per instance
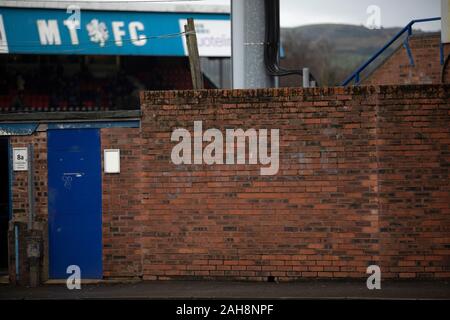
(332, 51)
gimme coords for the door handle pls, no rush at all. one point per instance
(74, 174)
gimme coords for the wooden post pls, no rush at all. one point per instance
(194, 57)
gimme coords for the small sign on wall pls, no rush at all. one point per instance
(112, 161)
(20, 159)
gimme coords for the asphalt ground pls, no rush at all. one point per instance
(313, 289)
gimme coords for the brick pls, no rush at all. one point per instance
(396, 69)
(363, 187)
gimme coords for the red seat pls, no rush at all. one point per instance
(88, 104)
(4, 102)
(45, 102)
(62, 106)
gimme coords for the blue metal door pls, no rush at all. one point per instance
(74, 202)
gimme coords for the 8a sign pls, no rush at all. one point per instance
(20, 159)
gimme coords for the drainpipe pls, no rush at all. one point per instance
(30, 187)
(306, 83)
(16, 244)
(32, 240)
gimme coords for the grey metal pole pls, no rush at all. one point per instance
(16, 250)
(306, 82)
(247, 38)
(221, 79)
(30, 187)
(237, 43)
(445, 21)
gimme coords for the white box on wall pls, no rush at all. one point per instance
(111, 160)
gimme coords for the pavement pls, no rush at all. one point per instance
(311, 289)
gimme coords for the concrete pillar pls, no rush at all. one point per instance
(445, 21)
(248, 36)
(306, 83)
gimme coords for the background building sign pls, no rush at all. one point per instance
(213, 37)
(55, 31)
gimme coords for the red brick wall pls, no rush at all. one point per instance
(20, 178)
(121, 204)
(122, 209)
(20, 205)
(413, 136)
(427, 69)
(364, 179)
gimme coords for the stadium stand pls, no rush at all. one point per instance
(50, 87)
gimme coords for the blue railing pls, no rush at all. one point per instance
(356, 75)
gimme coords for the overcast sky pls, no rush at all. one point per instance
(392, 12)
